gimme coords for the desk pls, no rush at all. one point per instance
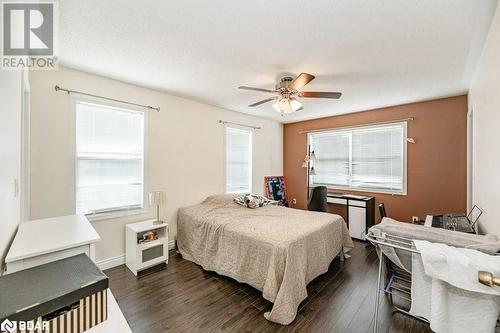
(42, 241)
(360, 212)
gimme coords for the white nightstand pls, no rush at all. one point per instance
(142, 255)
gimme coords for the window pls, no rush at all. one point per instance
(371, 158)
(109, 159)
(238, 160)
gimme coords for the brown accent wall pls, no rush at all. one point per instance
(437, 163)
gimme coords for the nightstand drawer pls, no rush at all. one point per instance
(151, 252)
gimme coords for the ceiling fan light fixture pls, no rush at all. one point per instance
(287, 105)
(296, 105)
(276, 106)
(287, 89)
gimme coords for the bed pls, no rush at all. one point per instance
(275, 249)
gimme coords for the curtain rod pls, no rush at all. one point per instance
(345, 127)
(229, 122)
(57, 88)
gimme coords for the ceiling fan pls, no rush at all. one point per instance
(286, 92)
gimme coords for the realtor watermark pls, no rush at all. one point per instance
(11, 326)
(29, 34)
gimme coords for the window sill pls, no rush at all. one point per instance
(239, 192)
(115, 215)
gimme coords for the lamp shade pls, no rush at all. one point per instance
(156, 198)
(287, 105)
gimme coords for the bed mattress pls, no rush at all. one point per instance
(275, 249)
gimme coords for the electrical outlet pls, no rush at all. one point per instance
(294, 201)
(414, 219)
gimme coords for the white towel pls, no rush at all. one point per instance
(446, 291)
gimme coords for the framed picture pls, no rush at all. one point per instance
(276, 189)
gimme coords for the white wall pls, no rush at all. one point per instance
(10, 156)
(184, 149)
(484, 100)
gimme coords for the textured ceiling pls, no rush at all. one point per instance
(378, 53)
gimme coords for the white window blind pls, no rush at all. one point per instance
(109, 159)
(370, 158)
(238, 160)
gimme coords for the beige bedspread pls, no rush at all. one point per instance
(275, 249)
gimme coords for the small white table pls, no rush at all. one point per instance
(42, 241)
(140, 256)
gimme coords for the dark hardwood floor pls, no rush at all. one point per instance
(185, 298)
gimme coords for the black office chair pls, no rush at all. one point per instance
(381, 208)
(318, 202)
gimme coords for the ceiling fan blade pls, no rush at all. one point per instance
(320, 94)
(301, 81)
(256, 89)
(263, 101)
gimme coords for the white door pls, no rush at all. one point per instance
(10, 153)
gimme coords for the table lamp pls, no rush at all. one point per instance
(157, 198)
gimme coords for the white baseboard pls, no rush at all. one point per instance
(120, 260)
(111, 262)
